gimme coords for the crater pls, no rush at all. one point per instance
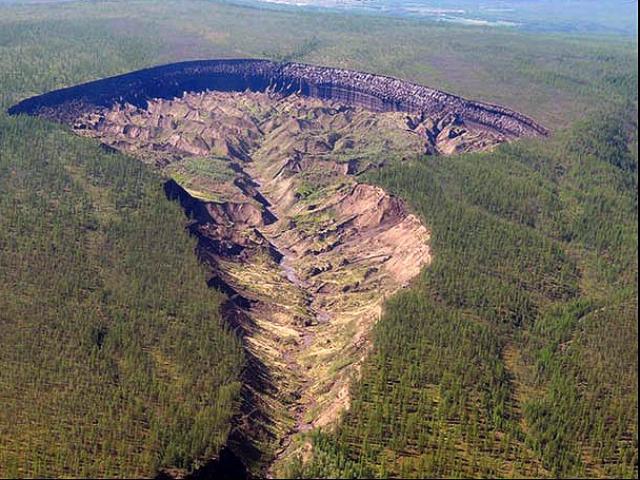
(266, 160)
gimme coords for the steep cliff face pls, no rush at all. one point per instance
(369, 91)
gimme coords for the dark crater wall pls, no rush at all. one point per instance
(373, 92)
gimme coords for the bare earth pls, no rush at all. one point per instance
(307, 253)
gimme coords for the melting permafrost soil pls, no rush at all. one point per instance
(306, 252)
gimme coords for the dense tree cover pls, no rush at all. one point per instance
(113, 358)
(515, 354)
(39, 55)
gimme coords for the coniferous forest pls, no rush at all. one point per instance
(114, 358)
(516, 352)
(513, 354)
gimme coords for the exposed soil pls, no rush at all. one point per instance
(373, 92)
(305, 253)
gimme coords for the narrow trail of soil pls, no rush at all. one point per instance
(306, 336)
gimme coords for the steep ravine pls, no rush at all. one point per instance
(305, 253)
(308, 379)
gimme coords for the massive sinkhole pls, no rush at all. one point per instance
(267, 161)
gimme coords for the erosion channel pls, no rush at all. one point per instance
(305, 252)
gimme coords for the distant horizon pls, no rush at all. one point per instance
(602, 17)
(534, 15)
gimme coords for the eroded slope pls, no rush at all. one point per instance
(267, 166)
(373, 92)
(306, 252)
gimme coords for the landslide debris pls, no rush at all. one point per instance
(305, 252)
(267, 167)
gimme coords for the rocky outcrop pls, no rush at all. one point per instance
(366, 90)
